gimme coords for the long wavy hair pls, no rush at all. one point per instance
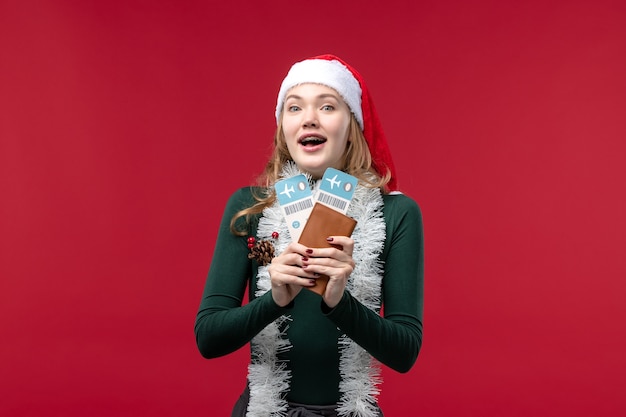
(357, 161)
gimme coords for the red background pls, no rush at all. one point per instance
(125, 126)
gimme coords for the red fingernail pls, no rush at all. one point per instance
(330, 239)
(304, 259)
(309, 251)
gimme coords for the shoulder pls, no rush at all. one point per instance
(401, 212)
(404, 225)
(400, 205)
(242, 198)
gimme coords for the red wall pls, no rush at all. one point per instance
(125, 125)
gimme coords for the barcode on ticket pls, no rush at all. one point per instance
(332, 200)
(298, 206)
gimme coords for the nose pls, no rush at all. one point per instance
(310, 118)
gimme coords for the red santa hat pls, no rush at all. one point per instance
(333, 72)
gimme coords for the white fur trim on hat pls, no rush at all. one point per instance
(332, 74)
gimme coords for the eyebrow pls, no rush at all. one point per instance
(321, 96)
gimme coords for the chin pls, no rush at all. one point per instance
(316, 171)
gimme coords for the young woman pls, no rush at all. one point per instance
(315, 355)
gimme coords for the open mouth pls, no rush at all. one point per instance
(311, 141)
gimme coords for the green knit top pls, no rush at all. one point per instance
(225, 323)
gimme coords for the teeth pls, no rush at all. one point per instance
(312, 140)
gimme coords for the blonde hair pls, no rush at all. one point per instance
(357, 161)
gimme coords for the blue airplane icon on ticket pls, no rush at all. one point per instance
(338, 184)
(333, 181)
(287, 191)
(292, 189)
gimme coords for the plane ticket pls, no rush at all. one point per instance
(296, 201)
(336, 190)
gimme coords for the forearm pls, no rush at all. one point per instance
(393, 340)
(223, 325)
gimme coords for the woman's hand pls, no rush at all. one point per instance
(287, 274)
(335, 262)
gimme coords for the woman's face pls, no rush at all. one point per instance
(315, 123)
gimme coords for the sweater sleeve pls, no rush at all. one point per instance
(396, 338)
(223, 325)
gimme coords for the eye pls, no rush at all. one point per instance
(328, 107)
(293, 108)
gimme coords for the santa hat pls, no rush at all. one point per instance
(333, 72)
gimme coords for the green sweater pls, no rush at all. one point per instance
(223, 324)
